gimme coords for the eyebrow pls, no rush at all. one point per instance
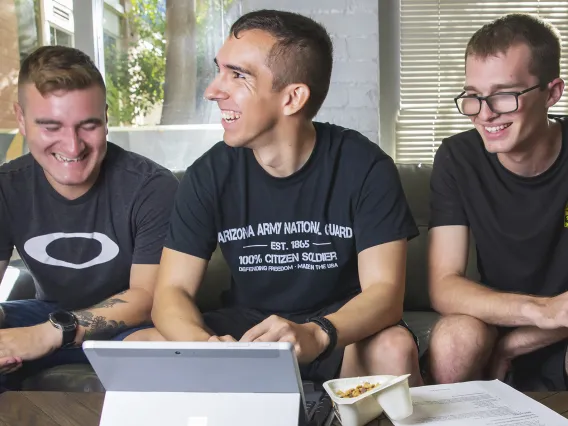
(48, 122)
(495, 87)
(236, 68)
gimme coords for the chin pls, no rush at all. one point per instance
(71, 182)
(498, 147)
(78, 178)
(232, 143)
(235, 142)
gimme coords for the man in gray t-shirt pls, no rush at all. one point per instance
(87, 218)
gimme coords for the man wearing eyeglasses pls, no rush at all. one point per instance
(505, 183)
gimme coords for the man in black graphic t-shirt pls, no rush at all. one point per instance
(306, 215)
(87, 218)
(506, 182)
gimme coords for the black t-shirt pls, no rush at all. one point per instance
(520, 224)
(291, 243)
(80, 251)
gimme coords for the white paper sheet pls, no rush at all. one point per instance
(481, 403)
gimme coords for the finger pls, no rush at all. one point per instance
(272, 335)
(7, 368)
(227, 338)
(16, 367)
(291, 338)
(258, 330)
(10, 370)
(214, 339)
(8, 361)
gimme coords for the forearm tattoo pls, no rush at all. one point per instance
(109, 303)
(97, 327)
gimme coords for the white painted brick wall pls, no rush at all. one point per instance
(354, 26)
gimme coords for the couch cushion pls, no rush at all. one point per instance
(415, 180)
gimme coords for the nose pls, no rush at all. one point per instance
(485, 113)
(71, 144)
(216, 91)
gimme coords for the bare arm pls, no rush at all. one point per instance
(175, 313)
(524, 340)
(382, 273)
(126, 309)
(452, 293)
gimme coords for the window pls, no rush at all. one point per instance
(20, 20)
(60, 37)
(27, 15)
(58, 19)
(433, 37)
(156, 72)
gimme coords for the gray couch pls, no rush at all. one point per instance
(418, 313)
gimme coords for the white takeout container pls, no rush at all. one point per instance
(392, 395)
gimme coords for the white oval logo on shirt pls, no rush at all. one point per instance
(36, 248)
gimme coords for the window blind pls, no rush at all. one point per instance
(433, 38)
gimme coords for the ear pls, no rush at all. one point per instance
(555, 90)
(20, 118)
(106, 119)
(296, 97)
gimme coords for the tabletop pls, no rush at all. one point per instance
(84, 409)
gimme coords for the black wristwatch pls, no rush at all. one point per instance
(327, 326)
(67, 322)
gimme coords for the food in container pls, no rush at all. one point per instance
(358, 400)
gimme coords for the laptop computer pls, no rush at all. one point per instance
(204, 384)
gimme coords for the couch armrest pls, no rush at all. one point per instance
(17, 284)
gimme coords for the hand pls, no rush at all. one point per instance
(28, 343)
(551, 312)
(309, 339)
(499, 366)
(226, 338)
(500, 361)
(9, 364)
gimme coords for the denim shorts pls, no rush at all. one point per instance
(26, 313)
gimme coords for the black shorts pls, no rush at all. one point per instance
(236, 321)
(541, 370)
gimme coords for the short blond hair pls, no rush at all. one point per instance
(54, 68)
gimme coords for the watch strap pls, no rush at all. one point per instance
(69, 331)
(327, 326)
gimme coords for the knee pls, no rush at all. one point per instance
(456, 334)
(395, 344)
(145, 335)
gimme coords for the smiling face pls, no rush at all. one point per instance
(508, 72)
(66, 134)
(250, 108)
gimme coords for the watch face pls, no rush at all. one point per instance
(64, 318)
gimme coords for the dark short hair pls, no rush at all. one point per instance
(302, 53)
(53, 68)
(541, 37)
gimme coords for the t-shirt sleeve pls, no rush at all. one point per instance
(6, 241)
(152, 212)
(445, 204)
(382, 214)
(192, 227)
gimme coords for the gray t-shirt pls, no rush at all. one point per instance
(80, 251)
